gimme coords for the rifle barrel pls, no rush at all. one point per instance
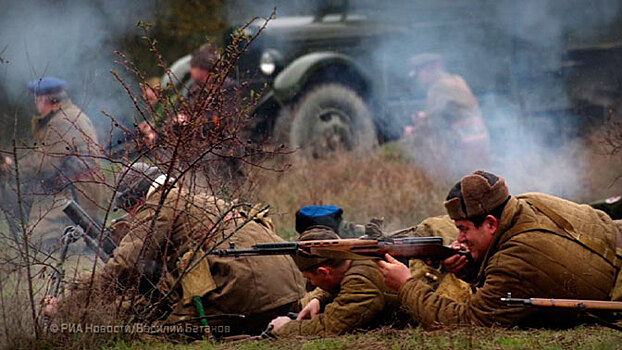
(567, 303)
(260, 249)
(577, 303)
(400, 247)
(91, 228)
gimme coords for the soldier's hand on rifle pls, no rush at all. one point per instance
(456, 263)
(394, 272)
(312, 309)
(49, 306)
(278, 322)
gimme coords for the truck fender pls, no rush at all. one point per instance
(290, 82)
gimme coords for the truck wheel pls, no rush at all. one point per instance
(331, 118)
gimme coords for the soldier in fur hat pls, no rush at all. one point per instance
(531, 245)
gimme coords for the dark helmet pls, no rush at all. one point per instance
(134, 184)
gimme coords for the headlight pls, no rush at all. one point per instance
(269, 61)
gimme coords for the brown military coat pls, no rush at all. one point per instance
(443, 282)
(245, 285)
(453, 128)
(363, 301)
(530, 257)
(63, 164)
(450, 98)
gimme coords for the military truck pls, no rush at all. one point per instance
(319, 82)
(339, 79)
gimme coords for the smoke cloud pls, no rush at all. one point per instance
(73, 40)
(514, 56)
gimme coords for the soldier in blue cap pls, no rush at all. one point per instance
(62, 164)
(327, 216)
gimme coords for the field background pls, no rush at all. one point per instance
(383, 184)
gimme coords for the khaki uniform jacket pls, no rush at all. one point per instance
(451, 99)
(527, 260)
(65, 153)
(443, 282)
(453, 128)
(363, 301)
(241, 285)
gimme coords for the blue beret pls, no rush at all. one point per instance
(46, 86)
(317, 211)
(325, 215)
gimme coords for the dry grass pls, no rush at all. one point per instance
(387, 184)
(365, 186)
(477, 338)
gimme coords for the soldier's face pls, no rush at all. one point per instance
(199, 75)
(325, 277)
(149, 94)
(477, 239)
(40, 104)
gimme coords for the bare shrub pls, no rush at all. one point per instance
(192, 152)
(602, 162)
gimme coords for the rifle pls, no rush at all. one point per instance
(402, 248)
(583, 305)
(70, 235)
(91, 229)
(565, 303)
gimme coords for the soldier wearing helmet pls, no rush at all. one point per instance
(531, 245)
(169, 231)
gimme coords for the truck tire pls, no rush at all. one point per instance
(330, 118)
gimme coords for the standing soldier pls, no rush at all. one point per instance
(63, 162)
(210, 96)
(212, 111)
(451, 115)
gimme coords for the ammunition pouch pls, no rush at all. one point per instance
(197, 281)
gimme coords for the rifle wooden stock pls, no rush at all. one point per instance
(566, 303)
(398, 247)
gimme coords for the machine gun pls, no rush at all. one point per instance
(70, 235)
(91, 229)
(402, 248)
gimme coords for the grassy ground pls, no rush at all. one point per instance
(383, 184)
(579, 338)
